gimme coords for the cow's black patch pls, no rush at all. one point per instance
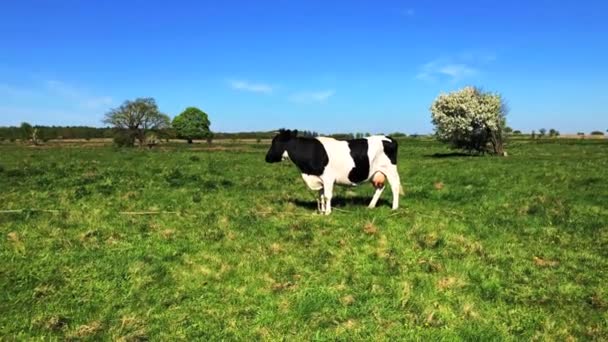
(358, 151)
(308, 154)
(390, 149)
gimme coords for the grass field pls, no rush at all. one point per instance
(230, 248)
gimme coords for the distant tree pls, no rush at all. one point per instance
(542, 132)
(508, 130)
(597, 133)
(553, 133)
(470, 119)
(517, 132)
(398, 135)
(191, 124)
(26, 131)
(133, 119)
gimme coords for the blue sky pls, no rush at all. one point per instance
(329, 66)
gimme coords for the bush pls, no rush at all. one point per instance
(470, 119)
(397, 135)
(124, 139)
(597, 133)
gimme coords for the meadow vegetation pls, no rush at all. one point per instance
(209, 242)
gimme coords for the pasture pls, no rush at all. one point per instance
(183, 243)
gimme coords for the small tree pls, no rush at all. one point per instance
(597, 133)
(533, 134)
(542, 132)
(133, 119)
(553, 133)
(191, 124)
(26, 131)
(470, 119)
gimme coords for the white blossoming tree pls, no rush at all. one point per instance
(471, 119)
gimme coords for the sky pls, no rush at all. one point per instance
(327, 66)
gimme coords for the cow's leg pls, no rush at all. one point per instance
(321, 202)
(393, 178)
(328, 188)
(376, 197)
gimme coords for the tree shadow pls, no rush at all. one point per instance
(339, 202)
(451, 155)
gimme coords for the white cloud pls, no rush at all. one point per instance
(41, 101)
(251, 87)
(78, 96)
(452, 69)
(408, 12)
(457, 71)
(312, 97)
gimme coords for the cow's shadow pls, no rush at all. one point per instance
(339, 202)
(452, 155)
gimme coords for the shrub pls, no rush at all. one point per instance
(516, 132)
(597, 133)
(396, 135)
(470, 119)
(124, 139)
(151, 139)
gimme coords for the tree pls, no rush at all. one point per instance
(470, 119)
(542, 132)
(553, 133)
(26, 131)
(136, 118)
(191, 124)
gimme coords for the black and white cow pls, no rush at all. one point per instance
(326, 161)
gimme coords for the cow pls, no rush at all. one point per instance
(325, 161)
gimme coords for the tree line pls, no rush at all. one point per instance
(469, 119)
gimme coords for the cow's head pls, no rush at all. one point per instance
(278, 149)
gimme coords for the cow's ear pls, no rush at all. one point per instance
(294, 133)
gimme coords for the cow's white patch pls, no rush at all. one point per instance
(285, 155)
(313, 182)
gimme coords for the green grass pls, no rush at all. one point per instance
(482, 248)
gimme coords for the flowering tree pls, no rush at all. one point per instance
(470, 119)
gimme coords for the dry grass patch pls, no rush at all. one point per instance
(540, 262)
(370, 228)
